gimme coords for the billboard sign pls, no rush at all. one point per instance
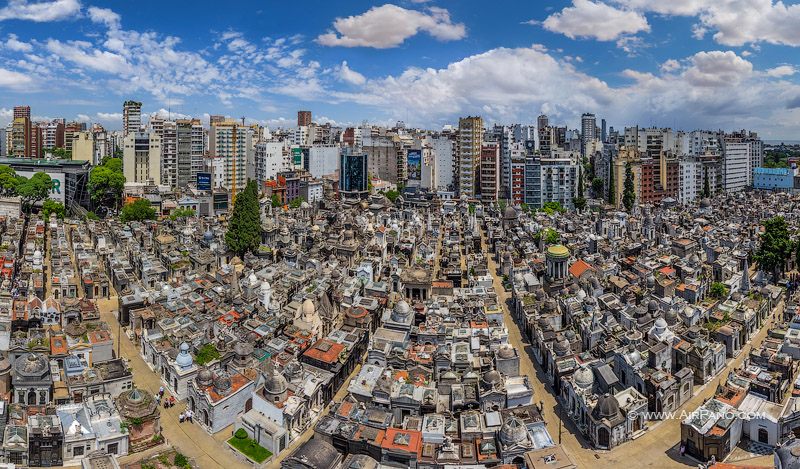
(414, 161)
(58, 188)
(297, 156)
(204, 181)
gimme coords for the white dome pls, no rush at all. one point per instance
(265, 286)
(584, 378)
(253, 279)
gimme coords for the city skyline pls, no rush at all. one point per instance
(687, 65)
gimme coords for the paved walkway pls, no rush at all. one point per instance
(208, 452)
(656, 448)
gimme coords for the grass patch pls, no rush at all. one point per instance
(250, 448)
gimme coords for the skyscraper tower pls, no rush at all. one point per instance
(131, 117)
(541, 122)
(588, 131)
(303, 118)
(470, 141)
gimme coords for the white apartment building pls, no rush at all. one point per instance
(736, 171)
(141, 158)
(323, 160)
(301, 136)
(441, 154)
(690, 184)
(271, 158)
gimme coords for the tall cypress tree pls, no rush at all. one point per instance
(629, 190)
(706, 186)
(580, 183)
(611, 191)
(244, 228)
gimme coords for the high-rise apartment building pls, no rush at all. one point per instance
(141, 158)
(272, 158)
(190, 149)
(168, 131)
(353, 174)
(228, 147)
(588, 131)
(83, 147)
(21, 133)
(71, 129)
(490, 171)
(542, 121)
(22, 111)
(303, 118)
(53, 135)
(131, 117)
(470, 141)
(381, 157)
(735, 164)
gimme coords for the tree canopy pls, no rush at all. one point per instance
(552, 207)
(138, 210)
(8, 181)
(775, 247)
(244, 228)
(718, 290)
(181, 213)
(629, 191)
(296, 202)
(106, 183)
(33, 190)
(51, 206)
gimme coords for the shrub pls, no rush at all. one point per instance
(181, 460)
(240, 434)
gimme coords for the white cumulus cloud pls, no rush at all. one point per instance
(597, 20)
(349, 75)
(389, 25)
(40, 12)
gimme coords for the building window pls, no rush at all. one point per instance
(77, 450)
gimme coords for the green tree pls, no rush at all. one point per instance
(244, 228)
(551, 236)
(580, 183)
(59, 152)
(276, 201)
(629, 192)
(706, 185)
(775, 247)
(552, 207)
(181, 213)
(612, 191)
(92, 216)
(33, 190)
(51, 206)
(138, 210)
(579, 203)
(296, 202)
(106, 183)
(597, 187)
(8, 181)
(718, 290)
(392, 195)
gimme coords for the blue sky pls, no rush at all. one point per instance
(683, 63)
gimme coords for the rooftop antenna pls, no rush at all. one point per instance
(242, 121)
